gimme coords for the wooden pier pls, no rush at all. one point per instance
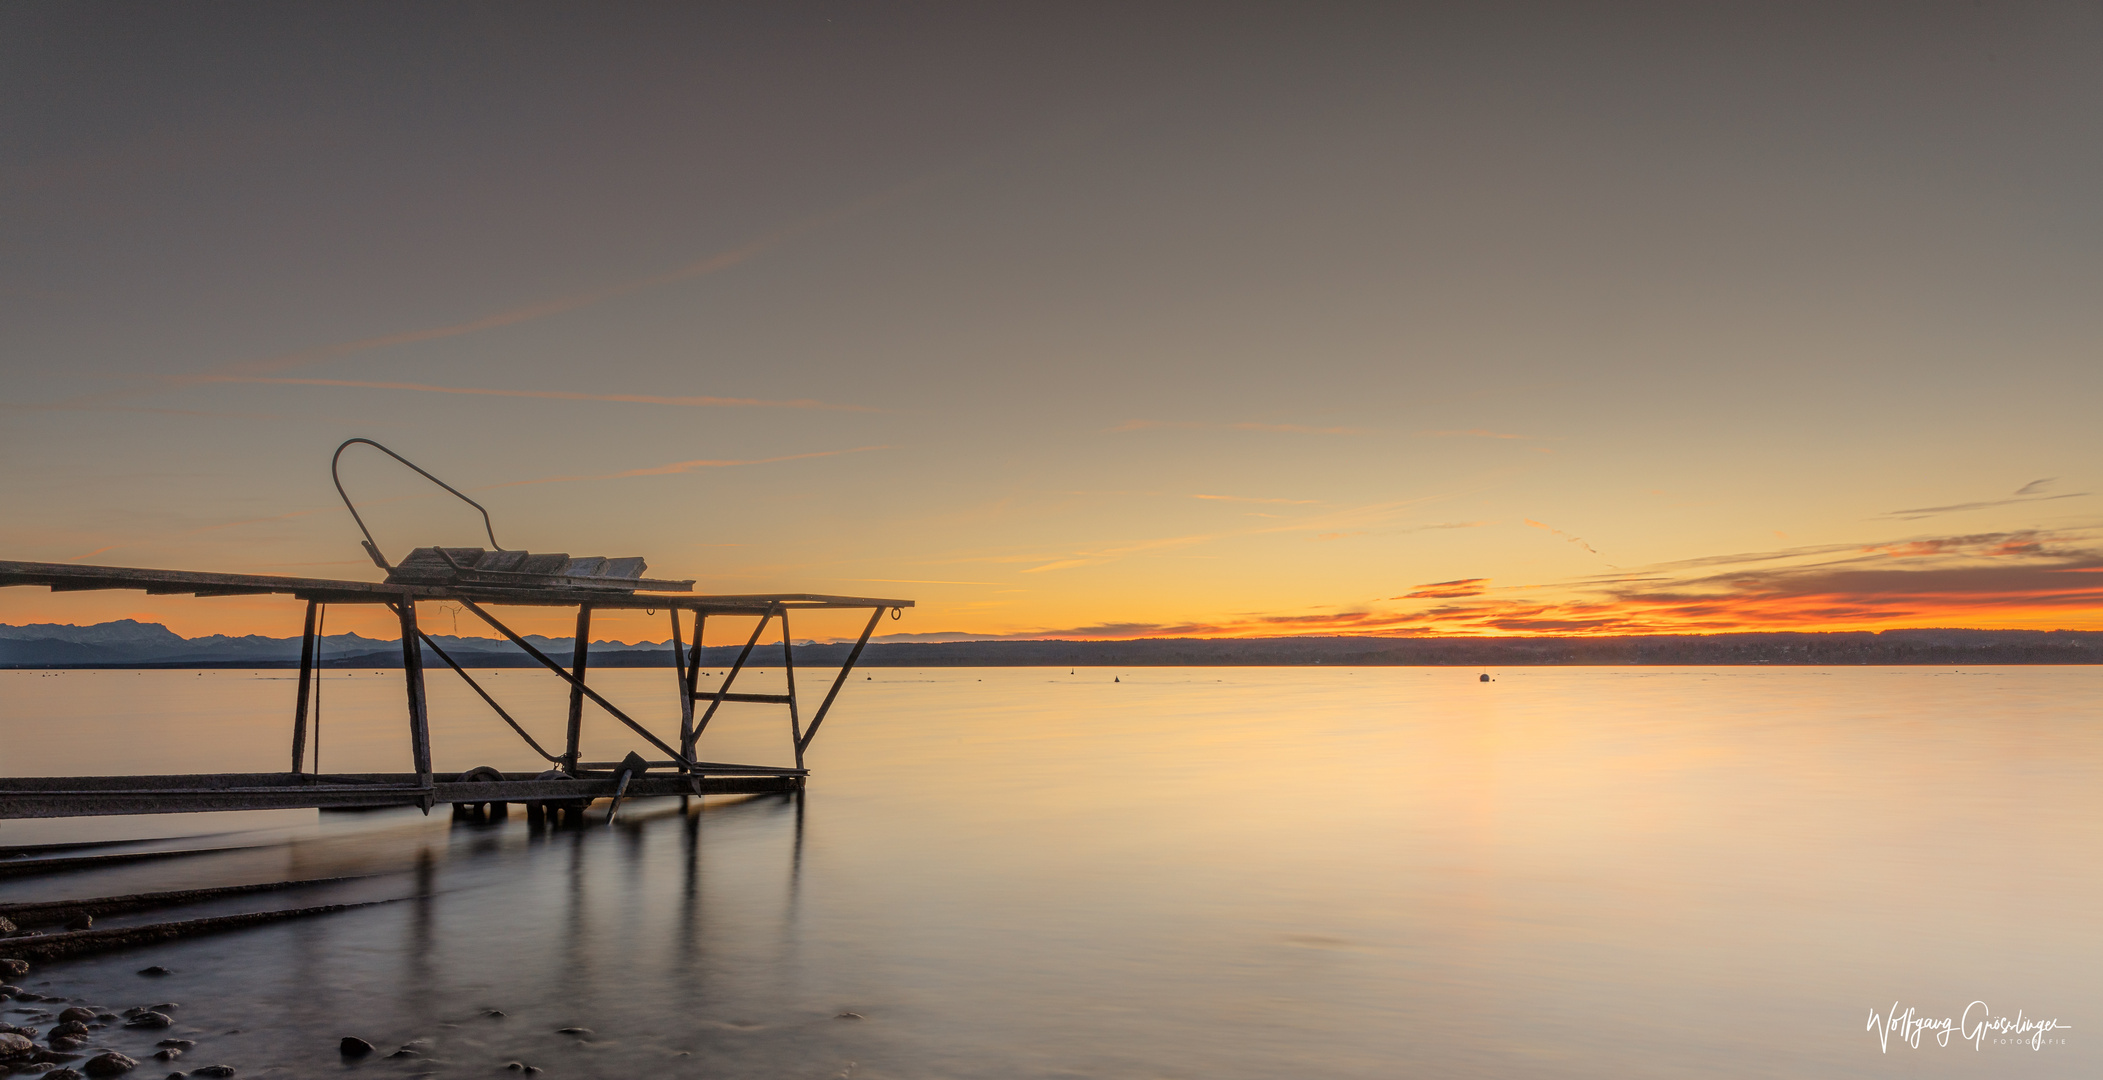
(676, 772)
(475, 579)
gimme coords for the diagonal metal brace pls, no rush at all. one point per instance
(462, 672)
(838, 681)
(575, 683)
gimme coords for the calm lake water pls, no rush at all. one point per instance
(1188, 873)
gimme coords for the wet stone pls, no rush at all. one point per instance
(584, 1033)
(69, 1028)
(213, 1070)
(62, 1074)
(165, 1006)
(155, 972)
(179, 1044)
(10, 1029)
(150, 1019)
(9, 990)
(168, 1053)
(351, 1046)
(109, 1064)
(849, 1016)
(82, 921)
(13, 968)
(78, 1013)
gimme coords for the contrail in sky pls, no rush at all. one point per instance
(677, 467)
(558, 395)
(653, 470)
(722, 260)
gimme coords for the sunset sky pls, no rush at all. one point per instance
(1068, 319)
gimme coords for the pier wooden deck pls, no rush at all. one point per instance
(476, 580)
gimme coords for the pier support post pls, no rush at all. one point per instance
(413, 678)
(579, 657)
(306, 685)
(686, 674)
(788, 668)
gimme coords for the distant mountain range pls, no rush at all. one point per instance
(130, 644)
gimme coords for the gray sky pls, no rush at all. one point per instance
(1065, 316)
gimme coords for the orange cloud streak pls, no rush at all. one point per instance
(2011, 581)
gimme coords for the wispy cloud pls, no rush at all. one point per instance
(2013, 579)
(711, 264)
(676, 467)
(1322, 525)
(1246, 425)
(2028, 493)
(555, 395)
(1470, 433)
(917, 581)
(653, 470)
(201, 530)
(1983, 579)
(1449, 525)
(1578, 540)
(208, 414)
(1103, 555)
(1447, 590)
(1253, 499)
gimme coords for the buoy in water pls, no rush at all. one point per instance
(1485, 678)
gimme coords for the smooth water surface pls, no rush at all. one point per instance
(1280, 872)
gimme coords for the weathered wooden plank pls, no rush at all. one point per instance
(68, 577)
(152, 795)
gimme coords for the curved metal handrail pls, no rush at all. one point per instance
(371, 548)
